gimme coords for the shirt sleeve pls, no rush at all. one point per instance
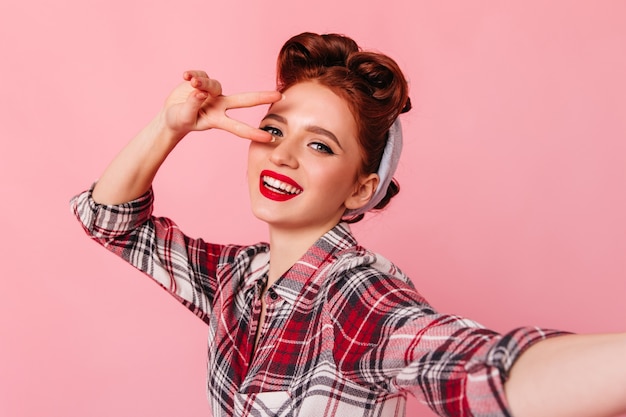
(183, 266)
(388, 337)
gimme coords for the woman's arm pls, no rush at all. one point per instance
(196, 104)
(570, 376)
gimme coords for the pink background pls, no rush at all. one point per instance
(512, 212)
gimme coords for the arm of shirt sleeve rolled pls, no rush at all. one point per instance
(105, 223)
(185, 267)
(452, 364)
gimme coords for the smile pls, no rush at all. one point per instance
(278, 187)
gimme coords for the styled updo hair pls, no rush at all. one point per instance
(371, 83)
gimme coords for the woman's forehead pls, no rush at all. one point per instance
(314, 100)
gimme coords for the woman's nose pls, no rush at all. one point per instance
(284, 153)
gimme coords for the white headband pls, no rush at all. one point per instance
(386, 169)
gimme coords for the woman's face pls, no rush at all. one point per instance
(309, 175)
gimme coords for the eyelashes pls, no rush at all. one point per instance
(321, 147)
(273, 131)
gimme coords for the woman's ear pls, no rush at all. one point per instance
(363, 192)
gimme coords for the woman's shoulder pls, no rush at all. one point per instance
(358, 270)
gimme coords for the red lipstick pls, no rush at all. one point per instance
(278, 187)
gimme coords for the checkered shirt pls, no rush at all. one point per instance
(346, 333)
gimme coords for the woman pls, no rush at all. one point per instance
(318, 325)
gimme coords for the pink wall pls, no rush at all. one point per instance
(512, 212)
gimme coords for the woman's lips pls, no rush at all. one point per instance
(278, 187)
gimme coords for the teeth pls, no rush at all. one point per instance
(281, 186)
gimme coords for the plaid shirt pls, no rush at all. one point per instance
(346, 333)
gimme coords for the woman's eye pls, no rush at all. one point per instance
(320, 147)
(273, 131)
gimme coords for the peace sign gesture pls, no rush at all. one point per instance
(198, 104)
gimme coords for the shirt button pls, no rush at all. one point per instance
(272, 294)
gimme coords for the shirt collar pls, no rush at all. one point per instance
(302, 281)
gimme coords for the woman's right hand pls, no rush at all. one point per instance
(198, 104)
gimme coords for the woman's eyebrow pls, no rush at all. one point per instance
(276, 117)
(310, 128)
(321, 131)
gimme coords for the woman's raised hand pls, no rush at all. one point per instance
(198, 104)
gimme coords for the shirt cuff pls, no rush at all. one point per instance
(485, 382)
(111, 220)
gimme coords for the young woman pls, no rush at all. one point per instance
(311, 323)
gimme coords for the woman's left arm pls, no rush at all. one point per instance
(572, 375)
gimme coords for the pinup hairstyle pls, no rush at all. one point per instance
(371, 83)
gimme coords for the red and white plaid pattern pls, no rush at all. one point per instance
(346, 333)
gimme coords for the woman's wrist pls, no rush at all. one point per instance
(161, 132)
